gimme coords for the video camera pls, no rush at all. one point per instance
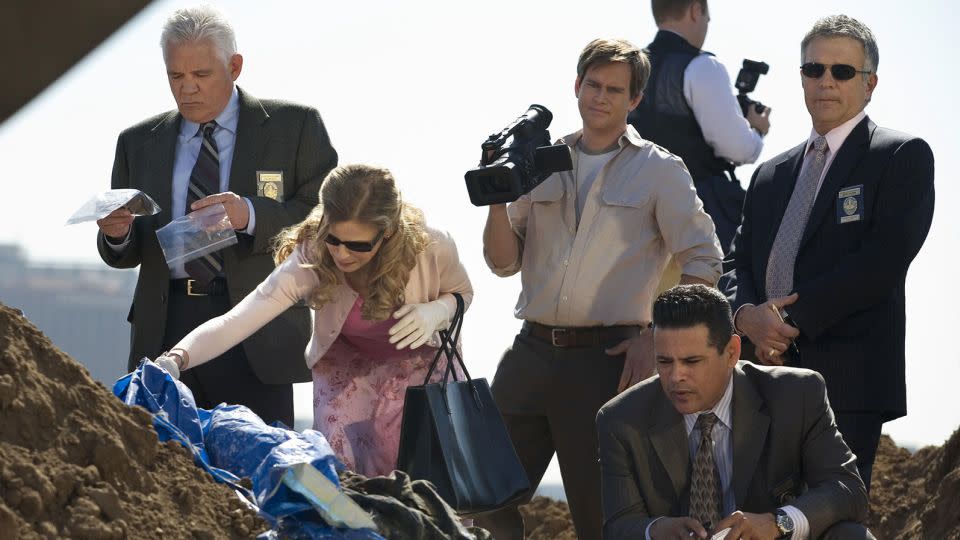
(747, 82)
(507, 172)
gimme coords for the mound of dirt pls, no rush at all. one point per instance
(75, 462)
(913, 497)
(916, 496)
(547, 519)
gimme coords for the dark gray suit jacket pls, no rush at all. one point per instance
(786, 450)
(271, 136)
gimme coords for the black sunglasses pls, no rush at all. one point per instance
(359, 247)
(840, 72)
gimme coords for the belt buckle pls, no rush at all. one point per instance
(555, 334)
(190, 292)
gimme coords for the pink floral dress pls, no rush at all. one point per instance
(358, 392)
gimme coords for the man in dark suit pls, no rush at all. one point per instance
(711, 443)
(829, 230)
(264, 160)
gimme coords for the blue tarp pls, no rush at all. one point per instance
(231, 441)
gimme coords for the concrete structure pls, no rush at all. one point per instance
(81, 308)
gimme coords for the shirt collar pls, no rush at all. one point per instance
(628, 137)
(837, 135)
(227, 119)
(722, 409)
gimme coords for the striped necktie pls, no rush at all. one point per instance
(783, 254)
(705, 481)
(204, 181)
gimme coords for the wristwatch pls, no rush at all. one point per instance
(784, 523)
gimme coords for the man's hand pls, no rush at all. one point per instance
(236, 207)
(747, 526)
(759, 121)
(769, 334)
(638, 365)
(117, 224)
(680, 528)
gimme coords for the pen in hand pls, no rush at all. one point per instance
(792, 350)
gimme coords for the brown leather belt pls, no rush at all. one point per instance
(579, 336)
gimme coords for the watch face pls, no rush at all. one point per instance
(784, 523)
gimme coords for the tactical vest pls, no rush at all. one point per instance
(664, 116)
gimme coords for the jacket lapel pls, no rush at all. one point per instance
(669, 439)
(750, 425)
(163, 146)
(848, 156)
(784, 180)
(252, 136)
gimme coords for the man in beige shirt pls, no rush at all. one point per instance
(591, 245)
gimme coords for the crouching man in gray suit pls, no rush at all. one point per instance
(712, 443)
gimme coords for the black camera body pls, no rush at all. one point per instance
(508, 171)
(747, 82)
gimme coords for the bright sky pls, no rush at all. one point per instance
(417, 86)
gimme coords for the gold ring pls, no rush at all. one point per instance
(772, 352)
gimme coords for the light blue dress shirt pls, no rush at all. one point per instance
(187, 150)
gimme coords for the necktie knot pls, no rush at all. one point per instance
(207, 129)
(820, 145)
(705, 423)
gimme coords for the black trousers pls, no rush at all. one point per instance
(227, 378)
(549, 398)
(861, 431)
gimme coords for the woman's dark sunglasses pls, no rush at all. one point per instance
(359, 247)
(840, 72)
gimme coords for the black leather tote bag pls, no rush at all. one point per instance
(452, 435)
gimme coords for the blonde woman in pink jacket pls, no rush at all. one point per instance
(380, 284)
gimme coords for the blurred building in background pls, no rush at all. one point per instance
(82, 308)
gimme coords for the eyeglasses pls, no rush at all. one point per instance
(359, 247)
(840, 72)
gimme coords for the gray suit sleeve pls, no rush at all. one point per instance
(129, 255)
(625, 514)
(835, 490)
(315, 158)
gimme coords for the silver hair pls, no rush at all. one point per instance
(199, 23)
(844, 26)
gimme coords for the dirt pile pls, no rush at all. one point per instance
(75, 462)
(913, 497)
(547, 519)
(916, 496)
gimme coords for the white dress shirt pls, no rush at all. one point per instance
(707, 88)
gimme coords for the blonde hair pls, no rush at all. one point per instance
(369, 195)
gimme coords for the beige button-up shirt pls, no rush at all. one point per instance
(641, 210)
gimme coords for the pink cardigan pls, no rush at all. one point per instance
(438, 270)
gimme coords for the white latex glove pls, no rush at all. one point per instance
(418, 322)
(169, 364)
